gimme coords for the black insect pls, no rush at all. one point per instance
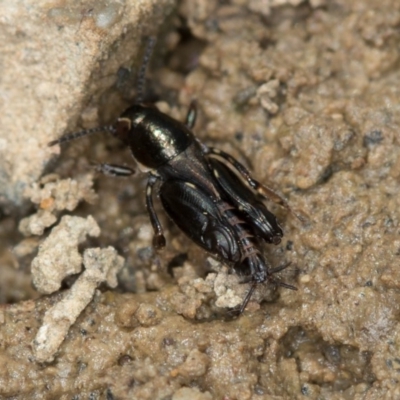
(209, 195)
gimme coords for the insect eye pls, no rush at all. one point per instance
(122, 128)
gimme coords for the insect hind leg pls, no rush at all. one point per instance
(158, 238)
(261, 189)
(264, 191)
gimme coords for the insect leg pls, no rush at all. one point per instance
(191, 114)
(243, 171)
(246, 200)
(271, 278)
(235, 312)
(247, 298)
(113, 169)
(158, 239)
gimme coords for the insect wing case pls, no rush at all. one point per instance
(197, 215)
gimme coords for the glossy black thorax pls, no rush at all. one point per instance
(153, 137)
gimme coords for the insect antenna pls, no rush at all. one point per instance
(141, 80)
(139, 99)
(79, 134)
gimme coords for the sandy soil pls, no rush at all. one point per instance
(307, 95)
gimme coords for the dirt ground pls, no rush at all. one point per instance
(306, 93)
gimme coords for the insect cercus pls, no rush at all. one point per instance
(207, 193)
